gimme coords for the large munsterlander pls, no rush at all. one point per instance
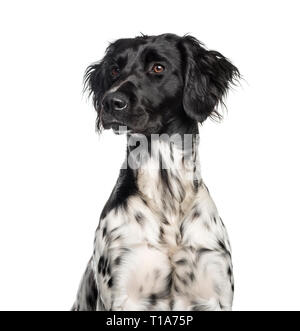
(160, 244)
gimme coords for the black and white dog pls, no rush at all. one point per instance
(160, 244)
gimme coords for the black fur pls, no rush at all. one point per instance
(194, 82)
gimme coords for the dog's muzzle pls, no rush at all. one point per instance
(115, 102)
(113, 107)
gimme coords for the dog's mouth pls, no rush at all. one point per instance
(109, 122)
(117, 126)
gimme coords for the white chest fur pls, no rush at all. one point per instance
(166, 247)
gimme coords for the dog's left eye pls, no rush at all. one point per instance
(158, 68)
(115, 71)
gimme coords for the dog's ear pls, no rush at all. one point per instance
(208, 75)
(94, 84)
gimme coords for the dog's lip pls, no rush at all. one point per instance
(112, 124)
(108, 120)
(120, 128)
(117, 126)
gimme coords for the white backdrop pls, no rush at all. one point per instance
(56, 173)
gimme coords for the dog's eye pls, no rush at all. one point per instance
(115, 71)
(158, 68)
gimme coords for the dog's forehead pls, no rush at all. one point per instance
(145, 48)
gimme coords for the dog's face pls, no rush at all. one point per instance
(149, 83)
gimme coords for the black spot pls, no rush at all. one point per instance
(181, 229)
(169, 281)
(176, 289)
(171, 152)
(161, 234)
(118, 260)
(117, 237)
(181, 213)
(206, 225)
(222, 222)
(165, 180)
(196, 214)
(171, 304)
(223, 247)
(91, 293)
(105, 263)
(125, 187)
(222, 244)
(201, 251)
(196, 184)
(100, 264)
(113, 230)
(139, 217)
(108, 271)
(206, 188)
(182, 280)
(153, 299)
(110, 283)
(91, 301)
(164, 220)
(191, 276)
(104, 231)
(145, 202)
(181, 261)
(229, 272)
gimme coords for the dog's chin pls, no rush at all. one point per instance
(121, 129)
(117, 127)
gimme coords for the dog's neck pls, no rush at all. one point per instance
(166, 168)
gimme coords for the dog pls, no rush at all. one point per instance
(160, 243)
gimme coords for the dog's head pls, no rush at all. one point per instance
(151, 83)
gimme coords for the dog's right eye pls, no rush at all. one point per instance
(158, 68)
(115, 71)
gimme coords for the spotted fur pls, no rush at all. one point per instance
(163, 248)
(160, 243)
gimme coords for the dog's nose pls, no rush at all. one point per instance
(118, 103)
(115, 102)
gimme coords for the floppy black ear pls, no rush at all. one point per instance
(208, 75)
(94, 84)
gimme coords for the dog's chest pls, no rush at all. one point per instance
(136, 257)
(151, 251)
(146, 254)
